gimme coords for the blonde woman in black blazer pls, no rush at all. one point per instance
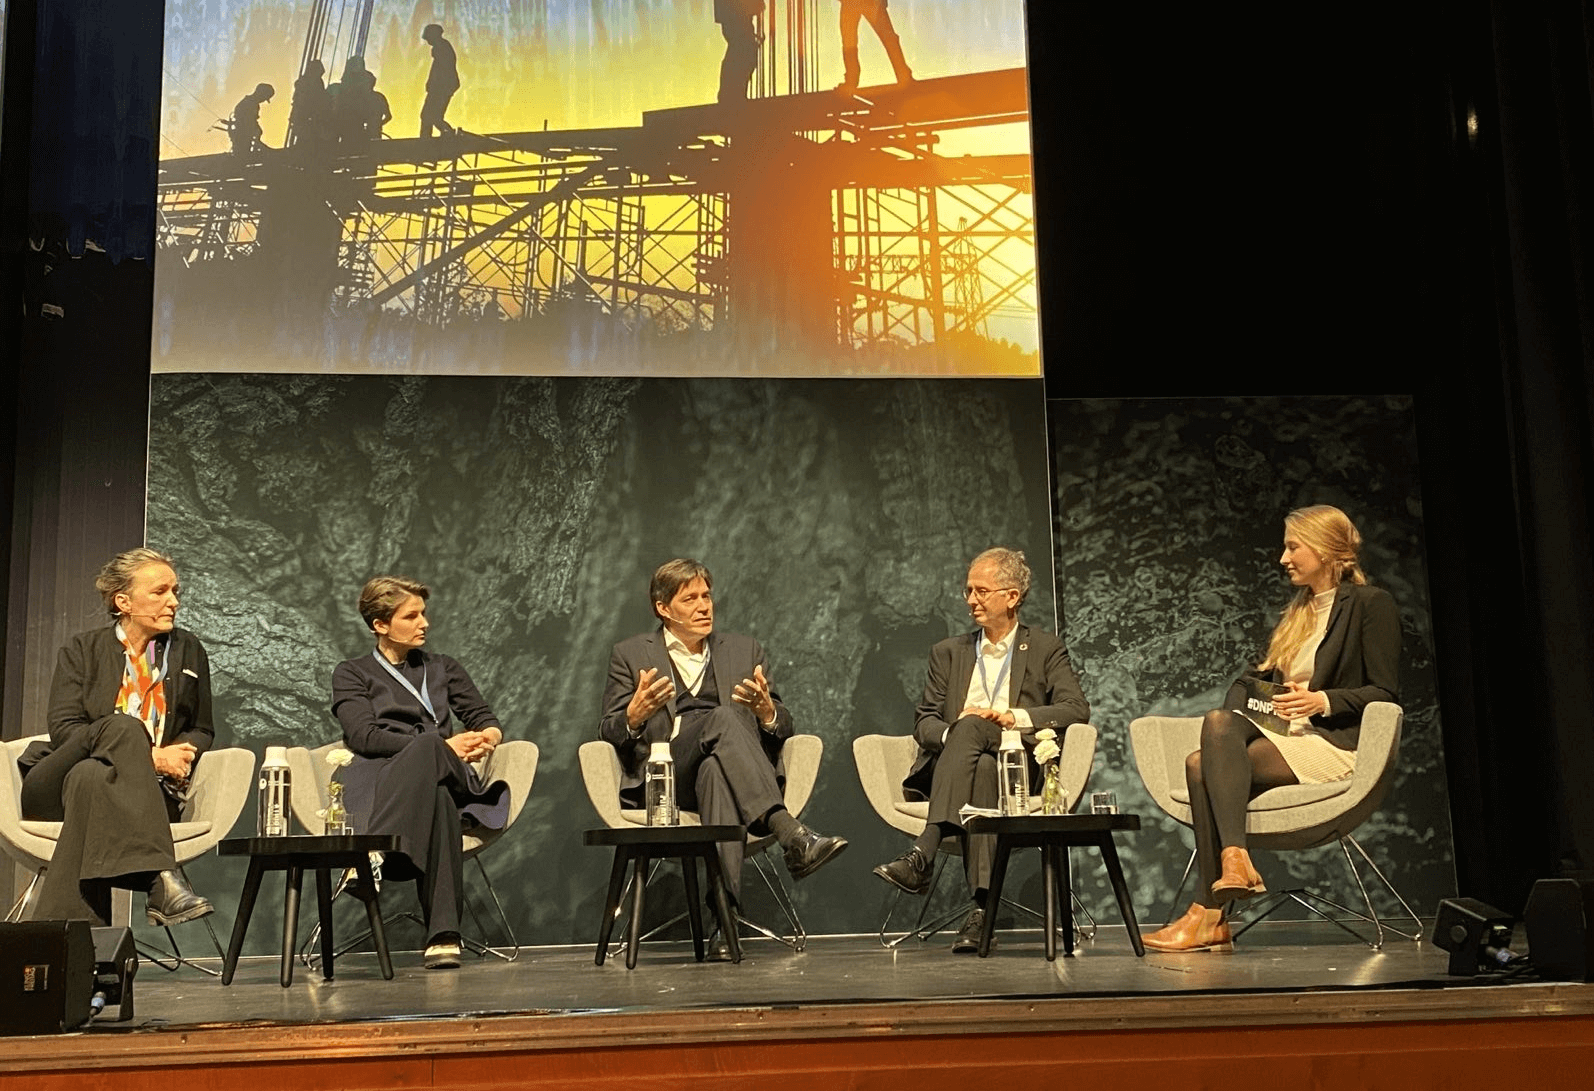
(1337, 648)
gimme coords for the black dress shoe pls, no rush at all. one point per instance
(719, 950)
(968, 941)
(911, 872)
(173, 901)
(807, 851)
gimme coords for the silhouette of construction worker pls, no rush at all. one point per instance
(441, 82)
(735, 18)
(311, 115)
(347, 119)
(879, 17)
(372, 109)
(245, 128)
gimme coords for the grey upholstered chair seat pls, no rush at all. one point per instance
(1297, 816)
(920, 809)
(1279, 799)
(221, 787)
(884, 760)
(600, 772)
(181, 831)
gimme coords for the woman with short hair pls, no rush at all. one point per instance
(1336, 649)
(413, 719)
(129, 719)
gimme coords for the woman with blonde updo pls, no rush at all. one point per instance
(1336, 649)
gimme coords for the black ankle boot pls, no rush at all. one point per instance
(173, 901)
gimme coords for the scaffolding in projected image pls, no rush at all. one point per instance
(821, 217)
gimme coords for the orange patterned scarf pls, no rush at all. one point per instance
(142, 695)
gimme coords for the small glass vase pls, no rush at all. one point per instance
(1053, 798)
(337, 815)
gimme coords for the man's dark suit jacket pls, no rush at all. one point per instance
(1041, 681)
(88, 675)
(1357, 663)
(732, 657)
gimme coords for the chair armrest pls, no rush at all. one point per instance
(514, 761)
(800, 755)
(1160, 745)
(600, 772)
(1073, 766)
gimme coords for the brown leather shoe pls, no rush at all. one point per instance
(1239, 878)
(1200, 929)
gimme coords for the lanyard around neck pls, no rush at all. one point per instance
(1001, 675)
(420, 695)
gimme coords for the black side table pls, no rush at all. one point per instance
(294, 855)
(1054, 835)
(643, 844)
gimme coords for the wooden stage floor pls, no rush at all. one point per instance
(555, 999)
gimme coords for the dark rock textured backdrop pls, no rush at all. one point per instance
(1169, 527)
(837, 516)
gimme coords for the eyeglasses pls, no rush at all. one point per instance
(982, 593)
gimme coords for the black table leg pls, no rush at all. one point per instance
(1065, 893)
(323, 904)
(694, 912)
(633, 927)
(1120, 889)
(290, 920)
(722, 902)
(993, 897)
(611, 905)
(240, 924)
(1049, 897)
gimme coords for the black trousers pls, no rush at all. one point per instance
(414, 797)
(101, 786)
(722, 772)
(965, 772)
(432, 111)
(741, 58)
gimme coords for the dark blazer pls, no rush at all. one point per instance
(1041, 681)
(732, 657)
(380, 717)
(1357, 663)
(88, 674)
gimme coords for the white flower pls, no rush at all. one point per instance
(1046, 750)
(1045, 734)
(339, 756)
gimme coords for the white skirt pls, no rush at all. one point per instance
(1313, 759)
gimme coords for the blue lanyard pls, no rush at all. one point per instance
(1001, 675)
(422, 696)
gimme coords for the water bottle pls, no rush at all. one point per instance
(1012, 771)
(274, 804)
(658, 780)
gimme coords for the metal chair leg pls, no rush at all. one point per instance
(22, 903)
(173, 960)
(503, 918)
(777, 889)
(1310, 901)
(920, 930)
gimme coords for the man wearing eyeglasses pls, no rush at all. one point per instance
(1001, 675)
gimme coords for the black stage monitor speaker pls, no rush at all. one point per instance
(1558, 921)
(46, 976)
(115, 964)
(1474, 933)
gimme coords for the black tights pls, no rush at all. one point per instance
(1237, 762)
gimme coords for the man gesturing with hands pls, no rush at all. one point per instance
(708, 695)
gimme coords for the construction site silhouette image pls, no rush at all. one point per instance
(701, 187)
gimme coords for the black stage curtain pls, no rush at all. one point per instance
(1349, 200)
